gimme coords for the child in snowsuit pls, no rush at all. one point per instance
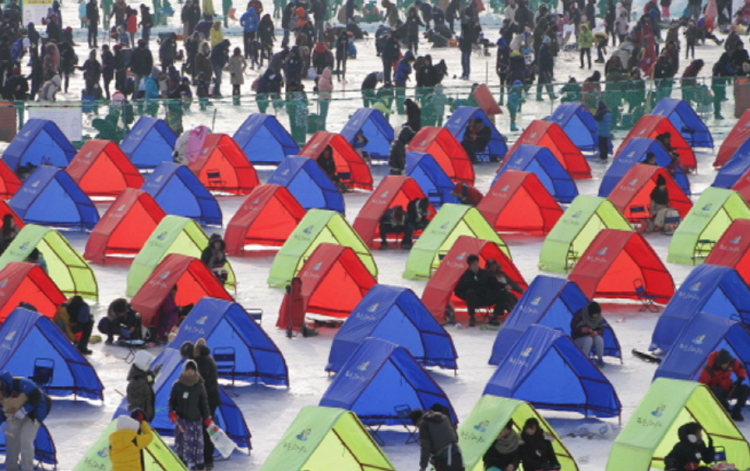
(515, 99)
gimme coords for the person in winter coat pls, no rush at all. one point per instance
(74, 317)
(249, 23)
(587, 328)
(502, 67)
(479, 288)
(127, 442)
(690, 89)
(92, 14)
(203, 62)
(327, 164)
(121, 320)
(688, 453)
(269, 86)
(188, 411)
(131, 25)
(167, 315)
(201, 354)
(214, 256)
(397, 154)
(267, 36)
(585, 41)
(438, 441)
(17, 86)
(505, 452)
(49, 90)
(140, 392)
(24, 408)
(342, 47)
(390, 13)
(413, 115)
(537, 452)
(237, 65)
(168, 52)
(325, 88)
(293, 67)
(720, 78)
(515, 100)
(717, 375)
(546, 66)
(591, 90)
(369, 84)
(146, 23)
(403, 71)
(470, 30)
(321, 58)
(191, 16)
(216, 34)
(219, 59)
(108, 68)
(412, 30)
(603, 117)
(141, 64)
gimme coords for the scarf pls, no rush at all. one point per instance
(587, 321)
(508, 444)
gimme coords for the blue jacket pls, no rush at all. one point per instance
(36, 406)
(249, 21)
(402, 71)
(151, 88)
(604, 126)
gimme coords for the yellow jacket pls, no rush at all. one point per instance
(217, 36)
(63, 321)
(125, 448)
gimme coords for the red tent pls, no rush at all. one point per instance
(5, 209)
(193, 279)
(222, 166)
(518, 202)
(125, 227)
(634, 191)
(651, 126)
(351, 168)
(733, 249)
(742, 186)
(734, 140)
(618, 261)
(101, 169)
(22, 282)
(334, 281)
(9, 182)
(551, 135)
(447, 151)
(439, 290)
(393, 191)
(267, 217)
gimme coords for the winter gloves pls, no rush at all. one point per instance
(173, 417)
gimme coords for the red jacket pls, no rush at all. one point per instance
(712, 375)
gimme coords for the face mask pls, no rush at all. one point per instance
(692, 438)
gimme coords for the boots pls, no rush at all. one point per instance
(513, 127)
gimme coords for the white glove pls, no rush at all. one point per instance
(20, 414)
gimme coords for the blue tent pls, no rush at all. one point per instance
(708, 288)
(28, 337)
(227, 325)
(547, 369)
(732, 171)
(49, 197)
(460, 120)
(45, 451)
(542, 163)
(307, 182)
(379, 376)
(550, 302)
(686, 120)
(395, 314)
(578, 123)
(39, 142)
(431, 178)
(376, 129)
(228, 416)
(149, 142)
(703, 334)
(264, 140)
(179, 192)
(635, 152)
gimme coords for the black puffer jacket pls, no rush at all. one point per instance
(140, 392)
(686, 452)
(207, 370)
(188, 398)
(435, 433)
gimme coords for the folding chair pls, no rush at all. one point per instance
(403, 411)
(435, 197)
(133, 345)
(256, 314)
(639, 218)
(373, 430)
(44, 372)
(214, 178)
(702, 248)
(571, 259)
(647, 300)
(225, 359)
(670, 225)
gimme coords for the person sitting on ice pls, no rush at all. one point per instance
(121, 320)
(215, 257)
(476, 138)
(587, 328)
(659, 207)
(509, 286)
(418, 212)
(537, 452)
(688, 453)
(717, 375)
(480, 288)
(505, 452)
(467, 194)
(74, 317)
(394, 221)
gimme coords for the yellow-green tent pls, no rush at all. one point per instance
(579, 225)
(316, 227)
(450, 223)
(67, 268)
(651, 431)
(174, 234)
(326, 439)
(488, 417)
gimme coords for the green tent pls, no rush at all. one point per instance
(174, 234)
(488, 417)
(651, 431)
(579, 225)
(710, 216)
(316, 227)
(157, 456)
(450, 223)
(325, 439)
(67, 268)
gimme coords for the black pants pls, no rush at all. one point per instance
(85, 330)
(387, 68)
(208, 445)
(248, 37)
(387, 228)
(93, 31)
(740, 393)
(603, 147)
(482, 298)
(413, 44)
(586, 51)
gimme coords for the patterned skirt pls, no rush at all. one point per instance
(189, 441)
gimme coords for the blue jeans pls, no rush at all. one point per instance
(146, 34)
(465, 63)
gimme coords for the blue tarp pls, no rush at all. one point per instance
(708, 288)
(542, 163)
(395, 314)
(460, 120)
(149, 142)
(225, 325)
(550, 302)
(39, 142)
(685, 120)
(635, 152)
(379, 376)
(264, 140)
(733, 170)
(431, 178)
(307, 182)
(703, 334)
(578, 123)
(547, 369)
(376, 129)
(179, 192)
(49, 197)
(28, 336)
(44, 447)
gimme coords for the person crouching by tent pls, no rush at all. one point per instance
(480, 288)
(24, 408)
(438, 441)
(359, 144)
(418, 213)
(587, 328)
(328, 165)
(688, 453)
(509, 300)
(74, 317)
(659, 206)
(126, 442)
(467, 194)
(188, 411)
(140, 391)
(505, 452)
(215, 257)
(394, 221)
(537, 452)
(717, 375)
(397, 154)
(121, 320)
(167, 315)
(476, 138)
